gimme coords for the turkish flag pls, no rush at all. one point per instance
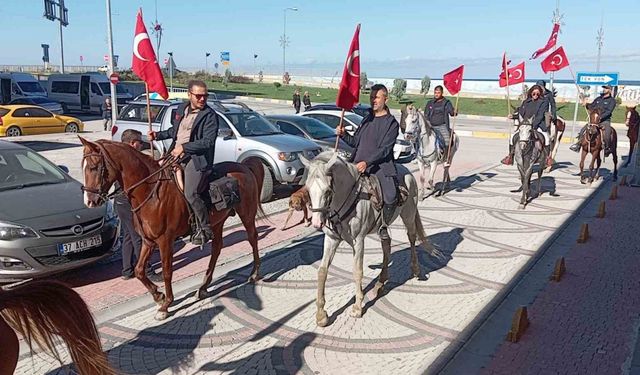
(453, 80)
(349, 91)
(516, 75)
(555, 61)
(144, 63)
(550, 43)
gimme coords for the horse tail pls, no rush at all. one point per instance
(428, 246)
(257, 168)
(42, 310)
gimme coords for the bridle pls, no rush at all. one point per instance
(102, 169)
(335, 216)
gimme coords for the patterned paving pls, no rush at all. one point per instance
(270, 327)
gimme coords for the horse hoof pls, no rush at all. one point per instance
(379, 289)
(202, 294)
(521, 206)
(322, 319)
(308, 224)
(253, 279)
(161, 315)
(159, 299)
(415, 272)
(356, 312)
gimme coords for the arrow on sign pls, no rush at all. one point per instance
(597, 79)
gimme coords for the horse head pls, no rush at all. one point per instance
(525, 131)
(412, 121)
(594, 120)
(100, 173)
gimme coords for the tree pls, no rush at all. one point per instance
(399, 88)
(426, 85)
(363, 81)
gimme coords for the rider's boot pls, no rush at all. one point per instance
(508, 160)
(203, 233)
(576, 146)
(387, 215)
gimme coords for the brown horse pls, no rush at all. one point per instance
(591, 143)
(633, 122)
(41, 310)
(160, 209)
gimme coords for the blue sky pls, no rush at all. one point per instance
(398, 38)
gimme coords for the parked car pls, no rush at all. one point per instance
(319, 132)
(45, 228)
(402, 150)
(84, 92)
(41, 101)
(242, 133)
(359, 109)
(16, 120)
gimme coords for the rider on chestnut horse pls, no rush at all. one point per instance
(194, 132)
(607, 103)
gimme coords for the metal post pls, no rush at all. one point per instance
(575, 115)
(61, 49)
(284, 44)
(114, 97)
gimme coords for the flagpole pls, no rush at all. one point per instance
(453, 127)
(146, 87)
(335, 149)
(506, 74)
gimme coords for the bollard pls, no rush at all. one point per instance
(584, 233)
(614, 193)
(558, 270)
(519, 324)
(601, 210)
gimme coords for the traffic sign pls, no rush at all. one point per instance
(597, 78)
(114, 78)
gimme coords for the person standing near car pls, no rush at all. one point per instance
(306, 100)
(106, 113)
(131, 240)
(296, 101)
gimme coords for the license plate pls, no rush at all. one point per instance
(80, 245)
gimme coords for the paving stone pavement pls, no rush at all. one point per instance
(269, 327)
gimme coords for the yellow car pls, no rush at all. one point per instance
(16, 120)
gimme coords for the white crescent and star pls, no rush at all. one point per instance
(553, 60)
(136, 42)
(350, 60)
(519, 71)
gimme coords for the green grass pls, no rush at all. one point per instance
(467, 106)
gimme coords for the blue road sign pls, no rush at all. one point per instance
(597, 78)
(224, 56)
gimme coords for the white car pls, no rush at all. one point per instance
(401, 150)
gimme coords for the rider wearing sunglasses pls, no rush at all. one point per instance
(194, 132)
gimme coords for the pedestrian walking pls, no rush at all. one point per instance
(106, 113)
(306, 100)
(296, 101)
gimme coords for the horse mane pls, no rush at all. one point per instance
(325, 156)
(149, 162)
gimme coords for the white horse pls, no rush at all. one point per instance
(428, 153)
(339, 207)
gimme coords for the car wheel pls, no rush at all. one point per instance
(71, 127)
(14, 131)
(267, 185)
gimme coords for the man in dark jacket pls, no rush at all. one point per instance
(194, 136)
(296, 101)
(607, 103)
(551, 112)
(373, 144)
(306, 100)
(437, 112)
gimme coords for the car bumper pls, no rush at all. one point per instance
(402, 151)
(290, 172)
(40, 258)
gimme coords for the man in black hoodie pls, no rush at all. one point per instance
(373, 144)
(194, 135)
(606, 103)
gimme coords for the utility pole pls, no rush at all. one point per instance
(114, 97)
(284, 41)
(600, 41)
(54, 10)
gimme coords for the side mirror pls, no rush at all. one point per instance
(349, 128)
(225, 133)
(64, 168)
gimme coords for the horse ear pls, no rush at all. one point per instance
(88, 144)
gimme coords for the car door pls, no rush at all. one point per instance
(22, 118)
(45, 121)
(85, 93)
(226, 142)
(96, 98)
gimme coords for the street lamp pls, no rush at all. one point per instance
(170, 71)
(284, 40)
(206, 62)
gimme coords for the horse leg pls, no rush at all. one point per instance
(10, 348)
(539, 191)
(358, 259)
(252, 236)
(330, 247)
(432, 172)
(384, 273)
(632, 144)
(591, 165)
(166, 257)
(145, 254)
(583, 156)
(422, 169)
(216, 248)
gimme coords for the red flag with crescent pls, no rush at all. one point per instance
(349, 91)
(553, 39)
(516, 75)
(144, 63)
(453, 80)
(555, 61)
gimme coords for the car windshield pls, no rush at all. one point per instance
(356, 119)
(252, 124)
(315, 128)
(106, 88)
(20, 168)
(30, 87)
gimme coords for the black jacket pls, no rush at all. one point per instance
(534, 110)
(551, 102)
(606, 105)
(433, 105)
(306, 100)
(202, 143)
(383, 140)
(296, 100)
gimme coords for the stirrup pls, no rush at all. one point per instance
(383, 233)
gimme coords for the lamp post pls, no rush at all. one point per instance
(284, 41)
(170, 71)
(111, 64)
(206, 62)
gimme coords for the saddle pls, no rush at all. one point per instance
(372, 191)
(218, 191)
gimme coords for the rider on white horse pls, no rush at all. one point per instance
(551, 114)
(534, 108)
(437, 112)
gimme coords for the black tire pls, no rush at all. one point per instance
(267, 185)
(72, 127)
(13, 131)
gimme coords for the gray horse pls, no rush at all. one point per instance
(427, 153)
(340, 207)
(529, 150)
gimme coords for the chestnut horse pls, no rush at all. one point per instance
(633, 122)
(591, 143)
(161, 214)
(41, 311)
